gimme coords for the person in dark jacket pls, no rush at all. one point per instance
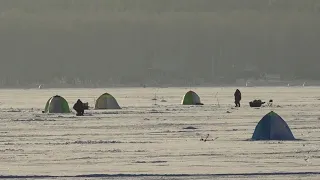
(237, 98)
(79, 107)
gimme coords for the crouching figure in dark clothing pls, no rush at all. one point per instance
(79, 107)
(237, 98)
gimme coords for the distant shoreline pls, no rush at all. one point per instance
(162, 87)
(238, 83)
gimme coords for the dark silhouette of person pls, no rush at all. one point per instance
(79, 107)
(237, 98)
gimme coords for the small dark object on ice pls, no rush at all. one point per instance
(190, 127)
(205, 138)
(86, 105)
(256, 103)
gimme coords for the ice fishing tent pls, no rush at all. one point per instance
(57, 104)
(191, 98)
(272, 127)
(106, 101)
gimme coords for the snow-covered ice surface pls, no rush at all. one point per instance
(147, 141)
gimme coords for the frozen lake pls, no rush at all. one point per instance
(147, 139)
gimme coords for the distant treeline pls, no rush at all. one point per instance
(167, 41)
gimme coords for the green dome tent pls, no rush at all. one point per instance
(191, 98)
(106, 101)
(57, 104)
(272, 127)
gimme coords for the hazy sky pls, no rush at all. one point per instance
(121, 39)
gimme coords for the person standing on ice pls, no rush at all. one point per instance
(79, 107)
(237, 98)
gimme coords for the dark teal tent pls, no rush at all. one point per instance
(272, 127)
